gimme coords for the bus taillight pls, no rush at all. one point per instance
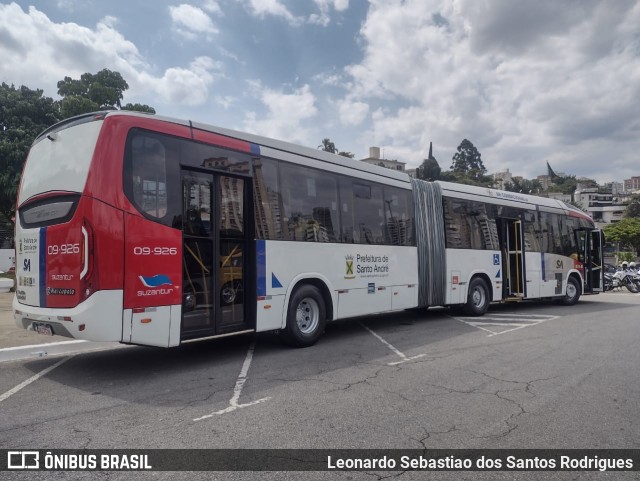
(87, 279)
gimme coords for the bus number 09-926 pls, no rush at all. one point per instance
(54, 250)
(155, 251)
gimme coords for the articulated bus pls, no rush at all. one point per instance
(154, 231)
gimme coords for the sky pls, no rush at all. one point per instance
(527, 82)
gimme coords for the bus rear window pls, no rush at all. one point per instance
(60, 161)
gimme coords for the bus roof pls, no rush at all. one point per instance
(497, 196)
(278, 145)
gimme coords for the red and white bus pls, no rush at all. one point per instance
(154, 231)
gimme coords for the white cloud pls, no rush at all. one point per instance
(212, 6)
(352, 113)
(38, 52)
(276, 8)
(286, 113)
(525, 82)
(323, 18)
(191, 22)
(189, 86)
(263, 8)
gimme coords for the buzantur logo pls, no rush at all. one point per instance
(156, 281)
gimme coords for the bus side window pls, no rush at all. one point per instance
(148, 168)
(310, 201)
(348, 232)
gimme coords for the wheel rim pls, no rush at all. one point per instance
(572, 290)
(478, 297)
(307, 315)
(228, 295)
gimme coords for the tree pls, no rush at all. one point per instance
(524, 186)
(329, 146)
(468, 161)
(101, 91)
(24, 114)
(429, 169)
(139, 108)
(633, 206)
(626, 232)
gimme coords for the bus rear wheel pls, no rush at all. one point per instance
(477, 298)
(573, 292)
(306, 317)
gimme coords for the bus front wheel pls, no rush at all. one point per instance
(306, 317)
(477, 298)
(573, 292)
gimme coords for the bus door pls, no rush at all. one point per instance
(214, 248)
(590, 242)
(513, 258)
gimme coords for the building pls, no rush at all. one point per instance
(616, 188)
(566, 198)
(375, 159)
(600, 206)
(632, 184)
(501, 179)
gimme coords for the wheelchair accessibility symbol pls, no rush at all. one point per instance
(496, 259)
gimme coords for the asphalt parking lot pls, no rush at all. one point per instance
(533, 375)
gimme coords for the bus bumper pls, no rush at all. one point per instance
(99, 318)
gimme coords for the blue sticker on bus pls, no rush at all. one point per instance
(496, 259)
(371, 288)
(156, 281)
(275, 283)
(261, 267)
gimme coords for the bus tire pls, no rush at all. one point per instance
(306, 317)
(573, 293)
(478, 298)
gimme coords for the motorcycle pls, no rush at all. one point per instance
(624, 278)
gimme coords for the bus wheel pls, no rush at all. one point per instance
(573, 292)
(306, 317)
(477, 298)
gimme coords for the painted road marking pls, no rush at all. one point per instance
(403, 357)
(33, 378)
(63, 348)
(501, 323)
(237, 390)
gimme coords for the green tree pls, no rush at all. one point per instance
(524, 186)
(429, 169)
(566, 184)
(101, 91)
(24, 113)
(329, 146)
(468, 161)
(633, 206)
(626, 232)
(139, 108)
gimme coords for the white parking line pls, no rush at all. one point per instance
(516, 321)
(46, 344)
(396, 351)
(237, 390)
(33, 378)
